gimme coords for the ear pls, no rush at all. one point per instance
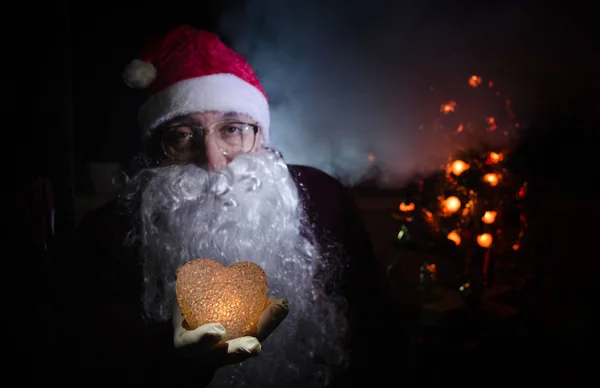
(154, 148)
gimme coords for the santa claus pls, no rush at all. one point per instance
(209, 186)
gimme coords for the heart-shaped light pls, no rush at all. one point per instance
(234, 296)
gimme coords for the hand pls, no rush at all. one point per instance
(203, 342)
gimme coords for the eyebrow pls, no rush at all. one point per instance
(184, 119)
(236, 115)
(176, 120)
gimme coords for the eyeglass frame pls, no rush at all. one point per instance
(198, 128)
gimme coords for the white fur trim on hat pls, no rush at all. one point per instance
(217, 92)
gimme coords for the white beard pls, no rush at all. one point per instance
(248, 211)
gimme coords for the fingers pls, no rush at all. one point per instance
(271, 317)
(244, 347)
(234, 351)
(205, 341)
(204, 336)
(177, 316)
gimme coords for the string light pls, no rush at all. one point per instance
(485, 240)
(454, 236)
(489, 217)
(458, 167)
(456, 206)
(451, 204)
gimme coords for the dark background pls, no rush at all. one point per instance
(66, 63)
(65, 95)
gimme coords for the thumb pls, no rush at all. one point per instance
(271, 317)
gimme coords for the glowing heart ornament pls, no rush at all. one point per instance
(234, 296)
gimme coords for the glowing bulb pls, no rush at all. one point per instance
(406, 208)
(448, 107)
(495, 157)
(484, 240)
(458, 167)
(489, 217)
(451, 204)
(474, 81)
(492, 179)
(454, 236)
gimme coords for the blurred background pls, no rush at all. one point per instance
(386, 96)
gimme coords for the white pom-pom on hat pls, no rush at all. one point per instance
(139, 74)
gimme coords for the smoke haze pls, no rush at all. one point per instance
(354, 78)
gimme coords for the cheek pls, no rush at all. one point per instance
(258, 143)
(171, 157)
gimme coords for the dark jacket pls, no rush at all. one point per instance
(107, 278)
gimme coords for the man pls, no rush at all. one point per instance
(210, 186)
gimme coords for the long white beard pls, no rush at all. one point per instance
(248, 211)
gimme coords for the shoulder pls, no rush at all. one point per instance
(99, 214)
(313, 179)
(298, 169)
(108, 221)
(328, 203)
(102, 237)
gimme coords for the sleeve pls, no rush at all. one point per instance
(107, 334)
(101, 295)
(368, 293)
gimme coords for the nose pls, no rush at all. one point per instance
(215, 159)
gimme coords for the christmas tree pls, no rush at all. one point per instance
(472, 209)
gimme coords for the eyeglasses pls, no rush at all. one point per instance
(185, 142)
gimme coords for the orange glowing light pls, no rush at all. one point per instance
(406, 208)
(448, 107)
(454, 236)
(451, 204)
(496, 157)
(460, 128)
(491, 123)
(428, 215)
(484, 240)
(489, 217)
(492, 179)
(474, 81)
(458, 167)
(234, 296)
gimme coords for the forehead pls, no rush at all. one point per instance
(210, 117)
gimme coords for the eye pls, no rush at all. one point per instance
(231, 129)
(180, 138)
(180, 135)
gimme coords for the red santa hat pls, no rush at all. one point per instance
(189, 70)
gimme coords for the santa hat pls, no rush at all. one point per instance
(190, 70)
